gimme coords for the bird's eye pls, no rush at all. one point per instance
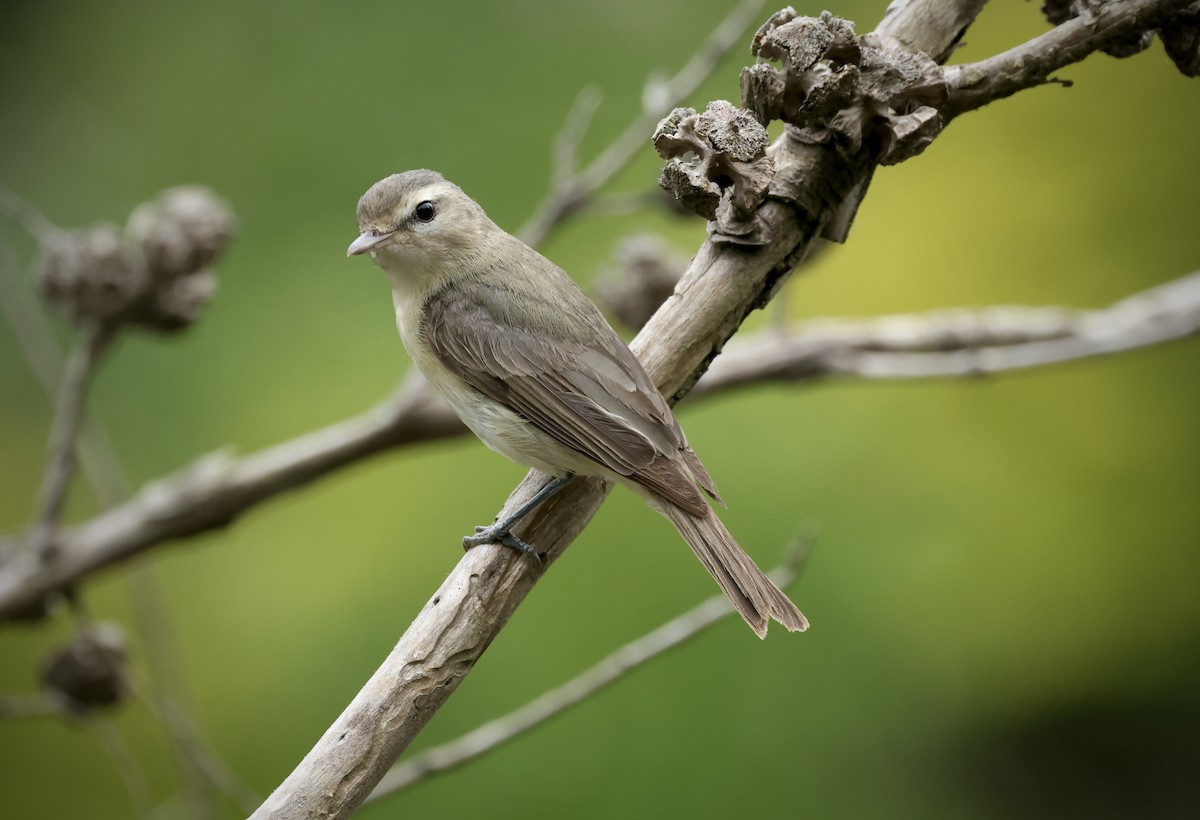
(425, 211)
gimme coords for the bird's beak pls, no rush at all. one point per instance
(367, 241)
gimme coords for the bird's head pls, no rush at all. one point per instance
(418, 222)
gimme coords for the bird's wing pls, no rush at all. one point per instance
(587, 391)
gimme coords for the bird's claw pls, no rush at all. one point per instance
(496, 534)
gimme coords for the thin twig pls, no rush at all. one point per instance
(566, 145)
(68, 414)
(567, 197)
(166, 688)
(183, 732)
(114, 745)
(132, 775)
(554, 702)
(627, 202)
(16, 208)
(973, 85)
(23, 315)
(131, 772)
(32, 330)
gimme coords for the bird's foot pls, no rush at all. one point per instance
(499, 534)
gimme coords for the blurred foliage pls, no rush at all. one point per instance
(1004, 590)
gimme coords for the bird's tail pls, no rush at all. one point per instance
(754, 595)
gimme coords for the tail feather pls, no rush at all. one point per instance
(753, 594)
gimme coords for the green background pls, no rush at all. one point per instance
(1004, 592)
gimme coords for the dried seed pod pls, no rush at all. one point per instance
(717, 166)
(797, 43)
(182, 231)
(812, 81)
(88, 672)
(838, 89)
(175, 304)
(93, 275)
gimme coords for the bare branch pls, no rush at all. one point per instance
(957, 343)
(721, 287)
(431, 658)
(569, 194)
(554, 702)
(974, 85)
(213, 491)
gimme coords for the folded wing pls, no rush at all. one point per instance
(575, 381)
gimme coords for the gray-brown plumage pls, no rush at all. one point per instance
(532, 367)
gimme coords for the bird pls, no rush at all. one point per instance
(531, 366)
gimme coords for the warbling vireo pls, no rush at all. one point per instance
(531, 366)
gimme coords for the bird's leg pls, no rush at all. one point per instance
(501, 531)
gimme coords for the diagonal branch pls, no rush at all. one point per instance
(487, 585)
(723, 284)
